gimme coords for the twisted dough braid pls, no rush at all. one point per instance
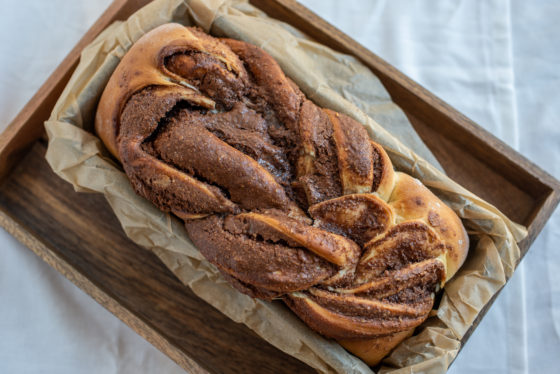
(287, 199)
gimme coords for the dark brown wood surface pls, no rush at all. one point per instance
(79, 236)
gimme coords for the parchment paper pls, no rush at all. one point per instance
(332, 80)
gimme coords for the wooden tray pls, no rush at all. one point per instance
(80, 237)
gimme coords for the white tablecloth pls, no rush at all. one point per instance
(496, 61)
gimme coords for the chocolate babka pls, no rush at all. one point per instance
(288, 200)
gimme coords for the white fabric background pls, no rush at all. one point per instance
(496, 61)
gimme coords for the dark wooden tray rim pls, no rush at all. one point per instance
(79, 236)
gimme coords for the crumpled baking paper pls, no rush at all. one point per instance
(331, 80)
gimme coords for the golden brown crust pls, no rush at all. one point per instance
(287, 199)
(372, 351)
(411, 200)
(385, 182)
(143, 66)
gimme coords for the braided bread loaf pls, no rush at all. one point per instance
(286, 199)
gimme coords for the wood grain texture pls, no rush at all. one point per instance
(79, 236)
